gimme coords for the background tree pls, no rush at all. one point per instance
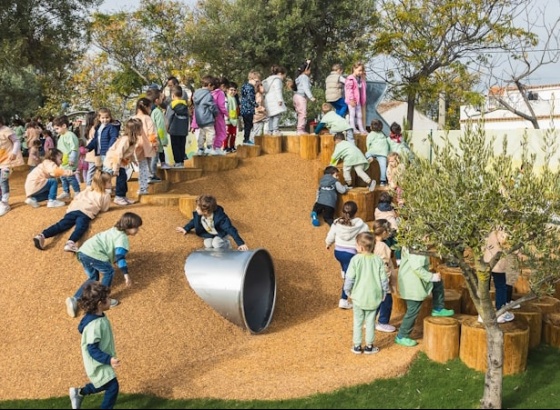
(465, 193)
(422, 37)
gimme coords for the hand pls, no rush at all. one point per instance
(243, 248)
(116, 172)
(127, 280)
(436, 277)
(115, 362)
(71, 163)
(328, 247)
(11, 157)
(370, 160)
(352, 103)
(181, 230)
(313, 99)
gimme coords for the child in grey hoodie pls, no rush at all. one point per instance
(205, 112)
(327, 196)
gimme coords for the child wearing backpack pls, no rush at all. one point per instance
(204, 117)
(177, 118)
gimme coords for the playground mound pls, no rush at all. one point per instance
(170, 342)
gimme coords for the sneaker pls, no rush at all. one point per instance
(129, 201)
(143, 192)
(55, 203)
(506, 317)
(4, 208)
(39, 241)
(443, 312)
(356, 349)
(121, 201)
(32, 202)
(71, 247)
(72, 307)
(370, 349)
(372, 185)
(387, 328)
(154, 180)
(249, 143)
(219, 151)
(405, 341)
(75, 397)
(213, 152)
(179, 165)
(516, 306)
(114, 302)
(64, 195)
(342, 274)
(165, 165)
(314, 219)
(199, 153)
(383, 183)
(344, 304)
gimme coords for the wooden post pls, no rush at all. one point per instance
(326, 148)
(467, 304)
(551, 330)
(473, 350)
(547, 304)
(308, 146)
(175, 175)
(531, 315)
(453, 300)
(187, 205)
(441, 338)
(248, 151)
(452, 278)
(363, 198)
(290, 143)
(213, 163)
(270, 144)
(361, 142)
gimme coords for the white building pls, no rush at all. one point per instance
(544, 100)
(396, 111)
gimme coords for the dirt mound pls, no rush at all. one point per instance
(170, 342)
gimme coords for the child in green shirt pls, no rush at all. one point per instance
(69, 145)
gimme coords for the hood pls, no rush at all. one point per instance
(86, 320)
(200, 94)
(327, 181)
(349, 232)
(180, 107)
(384, 206)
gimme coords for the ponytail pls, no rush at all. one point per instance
(349, 210)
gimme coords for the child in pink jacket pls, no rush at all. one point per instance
(220, 120)
(355, 96)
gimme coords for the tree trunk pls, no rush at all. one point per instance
(492, 397)
(411, 101)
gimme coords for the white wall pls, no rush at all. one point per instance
(398, 115)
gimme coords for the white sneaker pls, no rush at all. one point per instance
(372, 185)
(55, 203)
(64, 195)
(71, 247)
(165, 165)
(506, 317)
(200, 152)
(213, 152)
(32, 202)
(220, 151)
(71, 307)
(344, 304)
(4, 208)
(75, 397)
(120, 201)
(387, 328)
(114, 302)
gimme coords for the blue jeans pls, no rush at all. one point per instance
(273, 123)
(4, 183)
(70, 181)
(344, 259)
(340, 107)
(385, 310)
(47, 192)
(77, 218)
(382, 161)
(93, 268)
(111, 389)
(121, 187)
(501, 288)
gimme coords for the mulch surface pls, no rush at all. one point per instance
(170, 342)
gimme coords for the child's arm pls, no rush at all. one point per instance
(187, 228)
(226, 226)
(120, 259)
(113, 135)
(16, 149)
(341, 189)
(350, 278)
(319, 127)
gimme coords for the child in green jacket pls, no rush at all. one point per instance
(353, 158)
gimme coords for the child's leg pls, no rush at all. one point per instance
(501, 289)
(509, 293)
(82, 222)
(153, 165)
(346, 172)
(84, 174)
(344, 259)
(90, 172)
(300, 104)
(273, 124)
(385, 310)
(66, 223)
(221, 243)
(369, 319)
(210, 136)
(121, 187)
(4, 184)
(362, 174)
(412, 310)
(247, 126)
(382, 161)
(73, 180)
(328, 214)
(93, 267)
(200, 138)
(111, 389)
(65, 184)
(352, 117)
(144, 175)
(359, 316)
(359, 121)
(350, 136)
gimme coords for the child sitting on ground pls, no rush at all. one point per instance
(352, 157)
(211, 223)
(326, 196)
(334, 122)
(367, 284)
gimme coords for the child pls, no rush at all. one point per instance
(211, 223)
(395, 171)
(119, 156)
(159, 123)
(260, 114)
(83, 165)
(105, 134)
(34, 156)
(49, 141)
(82, 210)
(352, 157)
(99, 253)
(335, 123)
(177, 117)
(334, 90)
(205, 112)
(146, 147)
(377, 147)
(98, 348)
(219, 97)
(416, 282)
(10, 156)
(69, 146)
(231, 121)
(302, 92)
(366, 282)
(326, 196)
(385, 210)
(355, 96)
(249, 103)
(273, 98)
(381, 230)
(343, 233)
(41, 183)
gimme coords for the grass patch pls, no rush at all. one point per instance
(426, 385)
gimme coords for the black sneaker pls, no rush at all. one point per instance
(154, 180)
(356, 349)
(371, 349)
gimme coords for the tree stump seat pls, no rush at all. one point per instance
(452, 278)
(166, 199)
(290, 143)
(441, 338)
(187, 205)
(364, 198)
(175, 175)
(547, 304)
(309, 146)
(248, 151)
(532, 315)
(551, 329)
(270, 144)
(213, 163)
(326, 142)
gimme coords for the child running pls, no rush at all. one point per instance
(100, 252)
(98, 348)
(81, 211)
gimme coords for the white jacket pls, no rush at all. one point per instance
(273, 98)
(345, 235)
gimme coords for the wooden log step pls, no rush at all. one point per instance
(551, 329)
(453, 300)
(155, 188)
(213, 163)
(309, 146)
(473, 349)
(361, 141)
(167, 199)
(187, 205)
(467, 305)
(326, 148)
(547, 304)
(270, 144)
(363, 198)
(175, 175)
(462, 317)
(452, 278)
(248, 151)
(531, 315)
(290, 143)
(441, 338)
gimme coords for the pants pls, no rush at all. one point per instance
(355, 119)
(384, 310)
(74, 218)
(340, 106)
(501, 289)
(4, 184)
(247, 126)
(111, 389)
(178, 143)
(257, 130)
(154, 161)
(346, 171)
(327, 211)
(300, 104)
(68, 182)
(144, 174)
(47, 192)
(231, 136)
(217, 243)
(344, 259)
(413, 308)
(382, 161)
(274, 124)
(206, 135)
(121, 187)
(93, 268)
(362, 317)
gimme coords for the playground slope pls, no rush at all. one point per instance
(170, 342)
